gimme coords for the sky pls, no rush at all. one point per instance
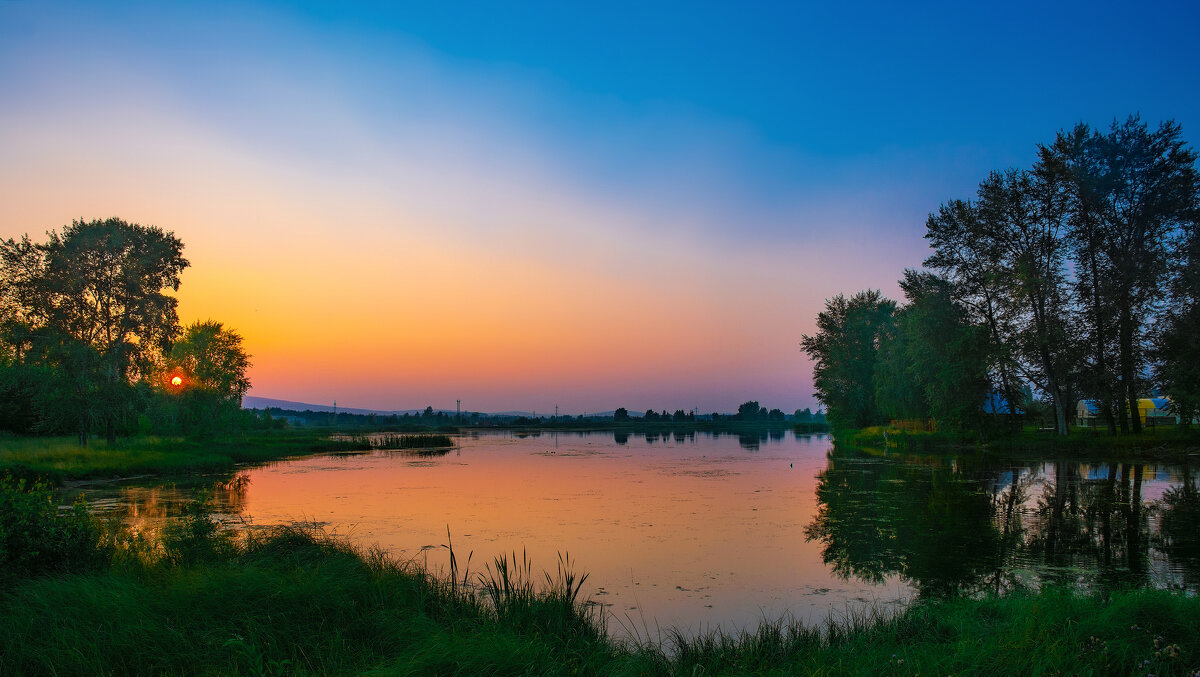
(524, 205)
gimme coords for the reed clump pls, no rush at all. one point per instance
(412, 441)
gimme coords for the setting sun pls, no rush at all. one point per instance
(177, 381)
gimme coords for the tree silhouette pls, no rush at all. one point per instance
(99, 287)
(748, 411)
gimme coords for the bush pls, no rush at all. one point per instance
(197, 538)
(37, 538)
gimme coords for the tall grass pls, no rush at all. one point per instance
(413, 441)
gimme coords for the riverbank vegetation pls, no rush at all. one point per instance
(1172, 442)
(1074, 281)
(196, 599)
(62, 458)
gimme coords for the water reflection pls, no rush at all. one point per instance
(696, 530)
(960, 525)
(1179, 535)
(145, 508)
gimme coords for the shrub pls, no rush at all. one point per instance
(36, 537)
(196, 537)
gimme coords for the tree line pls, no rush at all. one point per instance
(1077, 278)
(90, 340)
(749, 411)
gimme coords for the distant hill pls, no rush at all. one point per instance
(254, 402)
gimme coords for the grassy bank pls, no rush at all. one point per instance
(61, 458)
(1160, 444)
(99, 600)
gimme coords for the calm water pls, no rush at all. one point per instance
(700, 531)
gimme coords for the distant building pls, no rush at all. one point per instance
(1154, 410)
(996, 403)
(1151, 410)
(1087, 413)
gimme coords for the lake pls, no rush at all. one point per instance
(699, 531)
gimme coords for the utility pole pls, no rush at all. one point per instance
(458, 410)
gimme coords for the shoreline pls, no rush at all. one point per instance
(299, 601)
(1164, 445)
(61, 459)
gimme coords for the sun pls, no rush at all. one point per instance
(177, 381)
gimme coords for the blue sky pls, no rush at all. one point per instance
(701, 175)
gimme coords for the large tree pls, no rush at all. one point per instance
(844, 351)
(1133, 196)
(969, 261)
(95, 298)
(1008, 253)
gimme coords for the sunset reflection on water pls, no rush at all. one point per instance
(697, 531)
(683, 531)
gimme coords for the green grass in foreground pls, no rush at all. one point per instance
(293, 601)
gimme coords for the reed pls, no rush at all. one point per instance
(414, 441)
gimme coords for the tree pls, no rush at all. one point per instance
(748, 411)
(621, 415)
(969, 261)
(99, 288)
(211, 365)
(1074, 157)
(935, 362)
(899, 387)
(1177, 350)
(844, 352)
(1006, 255)
(1133, 197)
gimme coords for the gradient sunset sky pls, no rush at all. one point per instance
(520, 205)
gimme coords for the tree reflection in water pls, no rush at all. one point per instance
(962, 525)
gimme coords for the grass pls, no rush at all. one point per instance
(389, 441)
(292, 600)
(61, 458)
(1166, 443)
(1053, 632)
